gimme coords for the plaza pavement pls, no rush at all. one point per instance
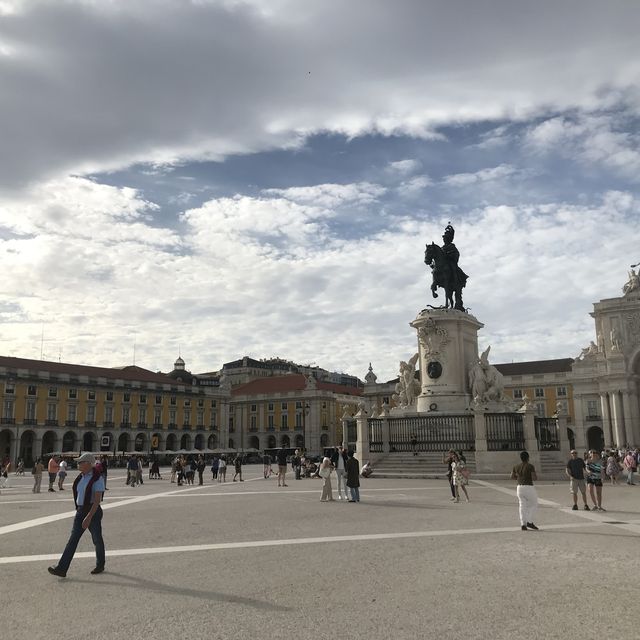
(250, 560)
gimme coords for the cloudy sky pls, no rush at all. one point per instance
(223, 178)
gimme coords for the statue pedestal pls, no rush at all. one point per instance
(448, 348)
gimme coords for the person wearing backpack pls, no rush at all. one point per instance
(88, 489)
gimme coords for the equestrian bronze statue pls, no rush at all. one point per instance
(445, 270)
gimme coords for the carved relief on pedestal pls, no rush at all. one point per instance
(433, 340)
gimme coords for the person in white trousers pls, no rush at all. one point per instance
(525, 473)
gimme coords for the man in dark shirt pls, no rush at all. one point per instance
(575, 472)
(282, 466)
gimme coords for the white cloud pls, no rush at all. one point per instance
(404, 167)
(222, 78)
(270, 275)
(414, 186)
(331, 195)
(484, 175)
(591, 139)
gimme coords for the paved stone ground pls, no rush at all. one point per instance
(249, 560)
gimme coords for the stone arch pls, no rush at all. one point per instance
(285, 441)
(123, 442)
(254, 442)
(172, 442)
(26, 452)
(140, 442)
(185, 442)
(199, 442)
(89, 441)
(231, 444)
(69, 441)
(49, 442)
(324, 440)
(271, 442)
(212, 442)
(6, 438)
(595, 438)
(299, 441)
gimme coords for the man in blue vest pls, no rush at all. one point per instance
(88, 490)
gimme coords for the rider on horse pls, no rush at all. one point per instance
(446, 272)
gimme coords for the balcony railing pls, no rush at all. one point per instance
(142, 425)
(8, 420)
(125, 425)
(595, 416)
(90, 424)
(172, 425)
(108, 424)
(30, 421)
(70, 423)
(50, 423)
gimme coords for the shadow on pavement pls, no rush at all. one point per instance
(136, 582)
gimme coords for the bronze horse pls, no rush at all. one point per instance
(446, 274)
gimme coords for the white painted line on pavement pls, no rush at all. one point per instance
(222, 546)
(27, 524)
(512, 492)
(593, 516)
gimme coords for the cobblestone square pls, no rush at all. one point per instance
(246, 560)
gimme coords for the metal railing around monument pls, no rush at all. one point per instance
(505, 431)
(375, 434)
(433, 433)
(547, 434)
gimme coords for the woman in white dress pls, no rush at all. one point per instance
(325, 474)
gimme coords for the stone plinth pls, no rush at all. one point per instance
(448, 348)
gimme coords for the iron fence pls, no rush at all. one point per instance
(547, 434)
(375, 434)
(505, 431)
(432, 433)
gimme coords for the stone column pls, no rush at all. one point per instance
(362, 444)
(562, 432)
(313, 428)
(606, 420)
(14, 452)
(386, 447)
(37, 446)
(480, 428)
(630, 405)
(530, 440)
(618, 419)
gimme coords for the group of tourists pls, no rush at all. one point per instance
(619, 461)
(586, 473)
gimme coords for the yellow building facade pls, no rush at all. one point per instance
(60, 407)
